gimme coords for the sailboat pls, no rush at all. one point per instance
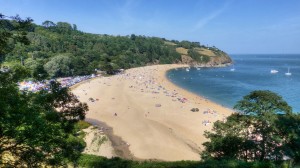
(288, 73)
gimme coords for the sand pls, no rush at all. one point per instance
(97, 143)
(149, 113)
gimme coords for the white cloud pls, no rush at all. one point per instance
(204, 21)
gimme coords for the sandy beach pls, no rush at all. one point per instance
(150, 114)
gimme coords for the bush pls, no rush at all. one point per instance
(82, 125)
(198, 57)
(98, 161)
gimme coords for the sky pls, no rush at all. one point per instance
(234, 26)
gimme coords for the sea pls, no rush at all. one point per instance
(227, 85)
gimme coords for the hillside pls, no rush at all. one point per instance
(201, 55)
(59, 49)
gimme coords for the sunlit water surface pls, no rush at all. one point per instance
(251, 72)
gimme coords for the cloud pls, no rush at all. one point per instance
(204, 21)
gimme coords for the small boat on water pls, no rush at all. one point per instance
(288, 73)
(187, 69)
(274, 71)
(232, 69)
(198, 68)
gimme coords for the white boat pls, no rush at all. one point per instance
(198, 68)
(274, 71)
(232, 69)
(288, 73)
(187, 69)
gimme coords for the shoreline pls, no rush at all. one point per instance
(150, 113)
(199, 95)
(187, 92)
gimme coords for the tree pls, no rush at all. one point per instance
(107, 65)
(289, 127)
(48, 24)
(39, 72)
(198, 57)
(90, 50)
(265, 106)
(64, 27)
(38, 128)
(229, 140)
(75, 27)
(14, 30)
(254, 133)
(59, 65)
(20, 72)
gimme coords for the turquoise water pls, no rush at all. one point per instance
(252, 72)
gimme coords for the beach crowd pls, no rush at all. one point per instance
(44, 85)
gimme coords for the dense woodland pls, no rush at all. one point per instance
(59, 49)
(44, 128)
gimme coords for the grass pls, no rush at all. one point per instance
(99, 140)
(203, 51)
(79, 126)
(82, 125)
(182, 50)
(102, 140)
(170, 43)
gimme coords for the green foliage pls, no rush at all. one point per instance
(39, 72)
(60, 65)
(262, 103)
(198, 57)
(266, 108)
(82, 125)
(289, 127)
(228, 139)
(19, 72)
(89, 51)
(38, 128)
(98, 161)
(265, 129)
(13, 32)
(48, 24)
(187, 44)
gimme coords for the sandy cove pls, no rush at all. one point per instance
(151, 114)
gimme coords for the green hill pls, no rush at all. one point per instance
(59, 49)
